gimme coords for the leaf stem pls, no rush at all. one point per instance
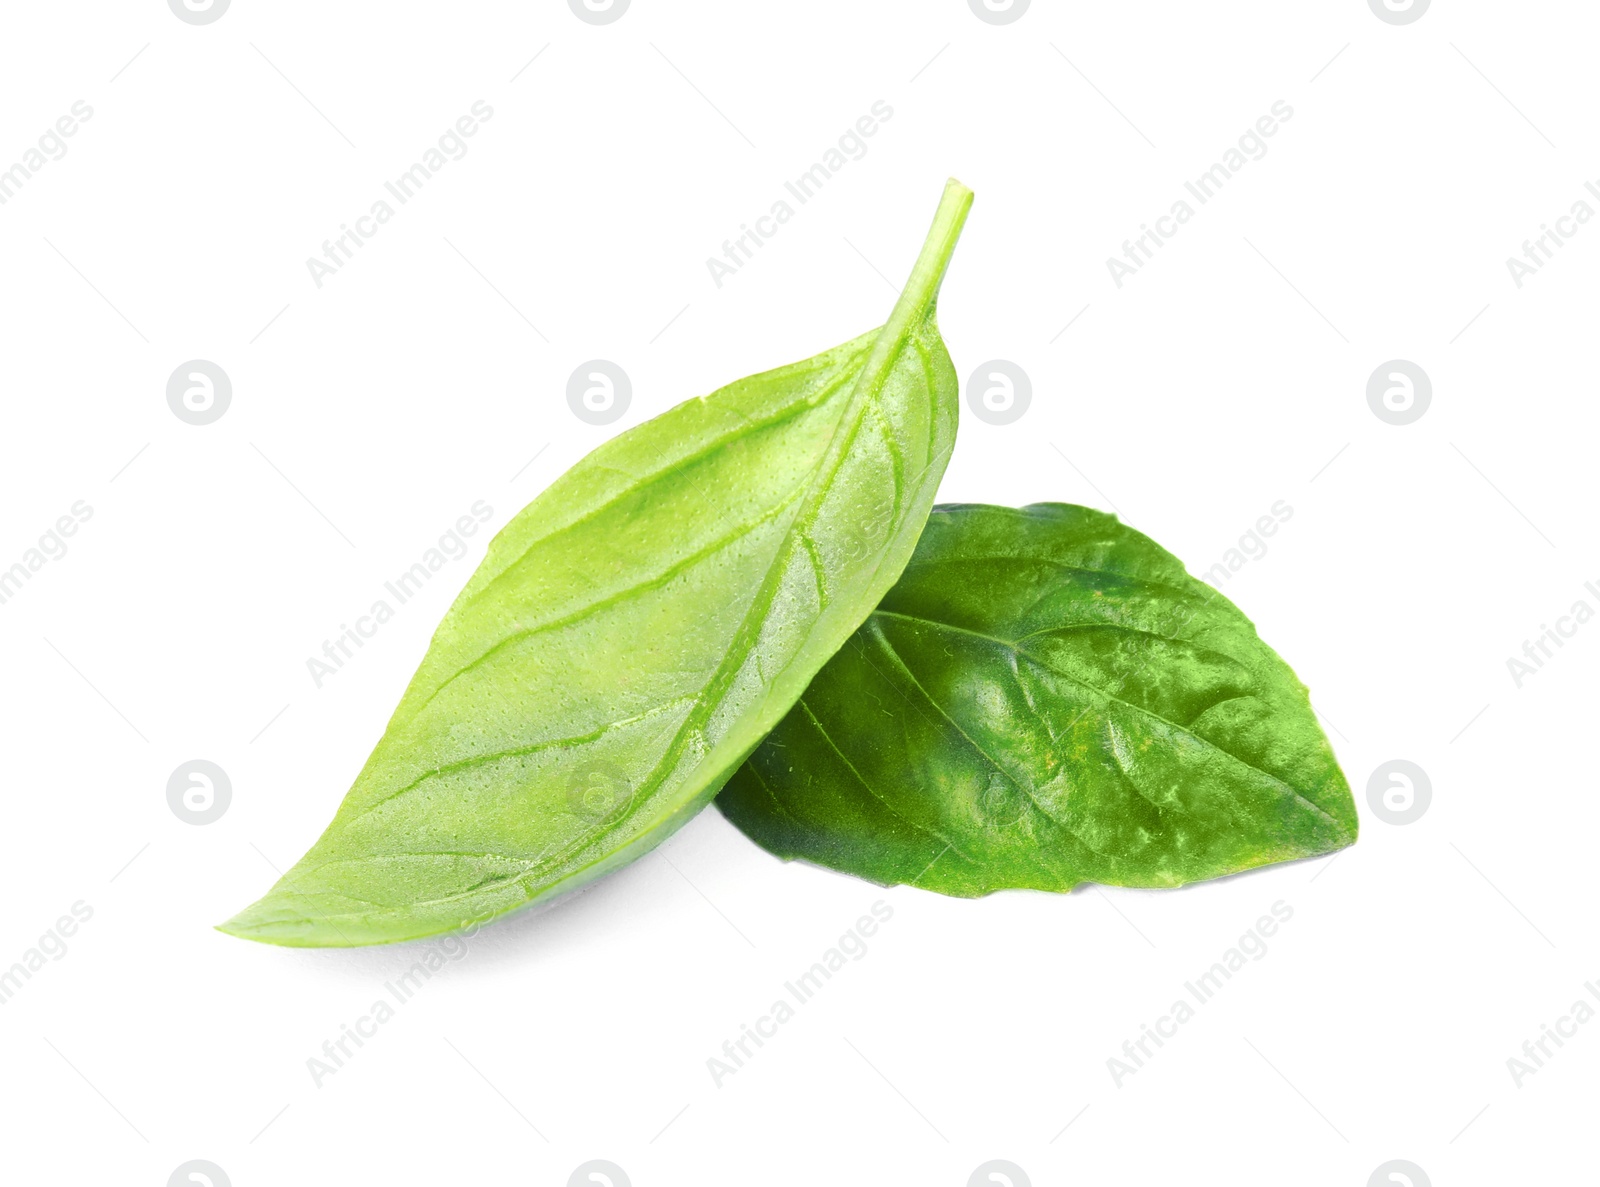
(922, 289)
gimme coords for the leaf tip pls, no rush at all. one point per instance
(262, 922)
(241, 926)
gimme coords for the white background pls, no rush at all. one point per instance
(369, 414)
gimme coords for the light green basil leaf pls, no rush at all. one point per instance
(1046, 698)
(634, 632)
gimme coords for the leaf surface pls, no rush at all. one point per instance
(1046, 698)
(634, 632)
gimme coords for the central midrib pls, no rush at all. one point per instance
(1111, 697)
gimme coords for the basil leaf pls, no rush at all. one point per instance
(1046, 698)
(634, 632)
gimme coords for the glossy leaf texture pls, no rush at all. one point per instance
(634, 632)
(1046, 698)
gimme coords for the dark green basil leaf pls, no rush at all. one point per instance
(1046, 698)
(634, 633)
